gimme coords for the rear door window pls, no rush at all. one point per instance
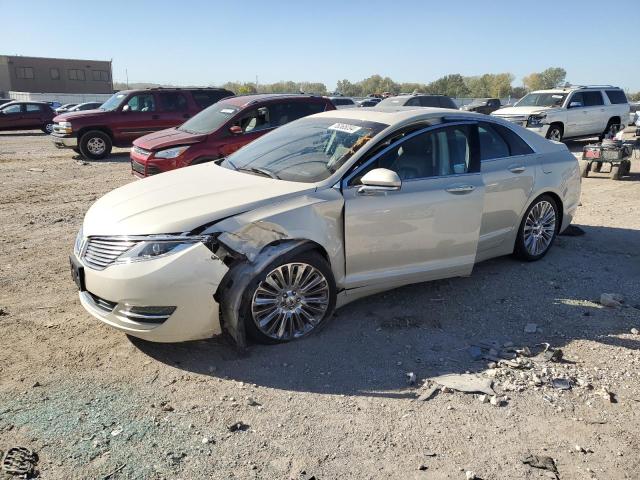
(446, 102)
(205, 98)
(32, 107)
(616, 96)
(592, 99)
(173, 102)
(492, 145)
(430, 102)
(285, 112)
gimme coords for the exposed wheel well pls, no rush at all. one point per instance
(614, 121)
(558, 124)
(84, 130)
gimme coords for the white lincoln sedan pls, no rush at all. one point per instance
(267, 242)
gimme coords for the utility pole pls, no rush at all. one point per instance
(126, 72)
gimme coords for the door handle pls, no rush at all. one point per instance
(155, 117)
(517, 168)
(461, 189)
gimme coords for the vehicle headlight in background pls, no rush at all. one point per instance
(65, 127)
(155, 248)
(536, 120)
(171, 152)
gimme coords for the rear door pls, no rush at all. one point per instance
(173, 109)
(596, 114)
(252, 123)
(508, 166)
(427, 229)
(33, 116)
(138, 116)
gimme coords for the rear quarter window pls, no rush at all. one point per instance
(446, 102)
(205, 99)
(616, 96)
(517, 146)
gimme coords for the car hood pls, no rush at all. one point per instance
(83, 114)
(184, 199)
(509, 111)
(167, 138)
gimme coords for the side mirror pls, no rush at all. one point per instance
(235, 129)
(126, 109)
(575, 104)
(379, 180)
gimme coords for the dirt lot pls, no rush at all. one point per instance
(96, 404)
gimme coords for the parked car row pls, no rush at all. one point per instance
(26, 116)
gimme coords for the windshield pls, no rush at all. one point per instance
(542, 100)
(210, 119)
(307, 150)
(114, 102)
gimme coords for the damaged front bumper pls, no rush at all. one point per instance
(137, 297)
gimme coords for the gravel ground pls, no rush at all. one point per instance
(96, 404)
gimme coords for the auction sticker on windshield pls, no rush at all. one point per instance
(344, 127)
(227, 110)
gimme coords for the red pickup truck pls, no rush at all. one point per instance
(130, 114)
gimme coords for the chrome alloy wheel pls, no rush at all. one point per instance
(539, 228)
(49, 127)
(96, 146)
(291, 301)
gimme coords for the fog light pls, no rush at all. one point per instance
(148, 314)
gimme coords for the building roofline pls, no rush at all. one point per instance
(57, 58)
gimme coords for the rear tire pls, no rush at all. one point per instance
(555, 132)
(538, 229)
(95, 145)
(584, 169)
(615, 173)
(48, 128)
(610, 123)
(596, 167)
(627, 167)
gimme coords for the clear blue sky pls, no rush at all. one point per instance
(199, 42)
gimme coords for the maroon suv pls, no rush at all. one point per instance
(26, 116)
(220, 130)
(129, 114)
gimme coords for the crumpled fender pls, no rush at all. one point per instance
(250, 241)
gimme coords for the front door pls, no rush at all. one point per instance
(12, 117)
(577, 116)
(138, 116)
(428, 228)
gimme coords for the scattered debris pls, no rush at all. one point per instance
(113, 472)
(19, 461)
(252, 402)
(469, 475)
(561, 383)
(635, 331)
(543, 462)
(608, 395)
(165, 407)
(423, 467)
(611, 300)
(206, 440)
(3, 312)
(429, 393)
(465, 382)
(238, 427)
(411, 378)
(38, 170)
(116, 432)
(530, 328)
(483, 398)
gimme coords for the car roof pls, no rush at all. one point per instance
(244, 100)
(19, 102)
(394, 115)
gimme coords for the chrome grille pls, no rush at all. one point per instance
(137, 167)
(101, 303)
(100, 252)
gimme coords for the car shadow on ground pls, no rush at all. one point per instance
(117, 157)
(370, 345)
(34, 133)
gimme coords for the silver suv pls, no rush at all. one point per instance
(570, 112)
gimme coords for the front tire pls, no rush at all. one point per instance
(291, 298)
(555, 132)
(48, 128)
(95, 145)
(538, 229)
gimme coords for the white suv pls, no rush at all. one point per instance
(569, 112)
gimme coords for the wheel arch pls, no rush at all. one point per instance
(102, 129)
(559, 203)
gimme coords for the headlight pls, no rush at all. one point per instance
(65, 127)
(159, 247)
(77, 246)
(171, 152)
(536, 120)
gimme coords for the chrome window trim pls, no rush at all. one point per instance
(344, 182)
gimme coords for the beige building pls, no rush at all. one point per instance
(54, 75)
